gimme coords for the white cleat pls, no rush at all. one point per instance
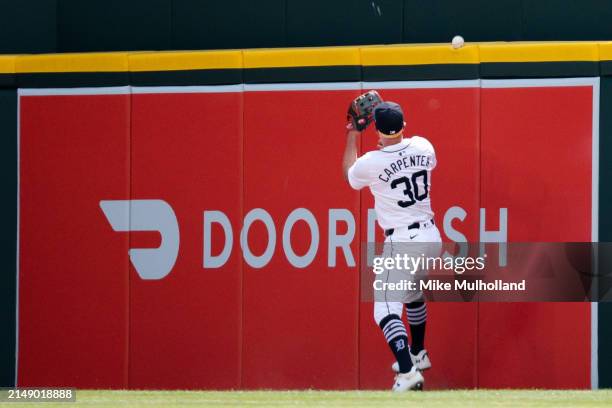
(412, 380)
(421, 361)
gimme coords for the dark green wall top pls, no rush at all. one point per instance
(34, 26)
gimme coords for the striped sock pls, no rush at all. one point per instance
(395, 333)
(417, 318)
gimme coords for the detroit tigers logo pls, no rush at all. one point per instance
(400, 345)
(146, 215)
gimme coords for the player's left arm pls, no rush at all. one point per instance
(350, 151)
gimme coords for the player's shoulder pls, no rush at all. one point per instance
(369, 156)
(370, 160)
(421, 142)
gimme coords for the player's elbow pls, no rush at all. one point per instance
(345, 172)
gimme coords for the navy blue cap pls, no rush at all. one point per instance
(389, 118)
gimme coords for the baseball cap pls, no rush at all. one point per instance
(389, 118)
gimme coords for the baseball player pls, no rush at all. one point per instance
(399, 176)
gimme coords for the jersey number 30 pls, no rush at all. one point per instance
(412, 188)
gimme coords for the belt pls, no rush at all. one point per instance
(414, 225)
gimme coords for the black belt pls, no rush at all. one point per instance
(414, 225)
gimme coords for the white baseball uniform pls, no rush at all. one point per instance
(399, 177)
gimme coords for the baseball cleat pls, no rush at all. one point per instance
(412, 380)
(421, 361)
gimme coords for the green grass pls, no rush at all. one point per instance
(460, 398)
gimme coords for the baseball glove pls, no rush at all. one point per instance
(359, 114)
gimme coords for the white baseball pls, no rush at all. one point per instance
(458, 41)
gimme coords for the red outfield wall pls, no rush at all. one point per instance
(292, 319)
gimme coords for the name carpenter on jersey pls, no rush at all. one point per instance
(404, 163)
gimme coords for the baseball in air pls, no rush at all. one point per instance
(458, 41)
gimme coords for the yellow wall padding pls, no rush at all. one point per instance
(86, 62)
(400, 54)
(419, 55)
(184, 60)
(605, 51)
(539, 52)
(7, 64)
(301, 57)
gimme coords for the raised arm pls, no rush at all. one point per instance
(350, 151)
(360, 114)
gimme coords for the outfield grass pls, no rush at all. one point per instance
(462, 398)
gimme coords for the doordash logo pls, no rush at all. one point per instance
(146, 215)
(158, 215)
